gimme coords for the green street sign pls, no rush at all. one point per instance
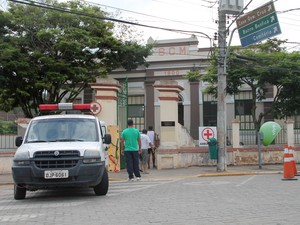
(270, 131)
(258, 25)
(256, 14)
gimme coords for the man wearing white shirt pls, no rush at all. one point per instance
(146, 144)
(151, 151)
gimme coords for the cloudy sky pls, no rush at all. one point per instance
(198, 16)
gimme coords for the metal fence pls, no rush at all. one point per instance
(247, 137)
(7, 142)
(297, 135)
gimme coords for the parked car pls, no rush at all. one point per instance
(65, 150)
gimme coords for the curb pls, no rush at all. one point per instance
(206, 175)
(237, 174)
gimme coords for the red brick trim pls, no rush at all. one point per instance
(168, 86)
(169, 91)
(6, 154)
(182, 150)
(169, 98)
(255, 149)
(105, 85)
(106, 97)
(205, 150)
(106, 89)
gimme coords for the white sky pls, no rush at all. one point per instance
(198, 15)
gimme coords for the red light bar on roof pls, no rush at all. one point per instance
(48, 107)
(64, 106)
(82, 106)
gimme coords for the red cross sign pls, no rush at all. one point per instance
(206, 133)
(95, 108)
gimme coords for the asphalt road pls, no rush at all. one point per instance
(249, 199)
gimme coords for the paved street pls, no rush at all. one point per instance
(249, 199)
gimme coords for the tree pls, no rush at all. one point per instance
(257, 67)
(45, 52)
(193, 75)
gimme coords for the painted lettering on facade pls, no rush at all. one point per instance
(176, 50)
(171, 72)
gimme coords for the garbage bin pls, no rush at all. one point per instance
(213, 148)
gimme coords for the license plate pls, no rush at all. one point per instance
(56, 174)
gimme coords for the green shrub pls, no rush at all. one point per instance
(8, 127)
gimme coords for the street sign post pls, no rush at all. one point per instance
(258, 25)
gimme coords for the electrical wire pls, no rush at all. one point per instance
(193, 3)
(143, 14)
(47, 6)
(186, 32)
(240, 13)
(289, 10)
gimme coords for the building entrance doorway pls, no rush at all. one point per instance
(180, 111)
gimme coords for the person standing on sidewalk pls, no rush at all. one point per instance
(151, 151)
(131, 148)
(146, 144)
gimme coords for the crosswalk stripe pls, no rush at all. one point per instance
(118, 188)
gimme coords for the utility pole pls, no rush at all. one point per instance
(221, 113)
(225, 7)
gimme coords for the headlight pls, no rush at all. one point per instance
(91, 156)
(22, 158)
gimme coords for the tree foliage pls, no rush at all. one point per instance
(8, 127)
(48, 53)
(193, 75)
(258, 67)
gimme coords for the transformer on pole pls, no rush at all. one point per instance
(233, 7)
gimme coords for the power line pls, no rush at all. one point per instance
(294, 47)
(240, 13)
(144, 14)
(288, 10)
(51, 7)
(189, 2)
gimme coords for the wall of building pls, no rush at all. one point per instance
(199, 156)
(196, 156)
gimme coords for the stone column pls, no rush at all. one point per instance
(195, 112)
(290, 133)
(106, 95)
(168, 96)
(149, 103)
(235, 133)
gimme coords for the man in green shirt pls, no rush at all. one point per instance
(131, 148)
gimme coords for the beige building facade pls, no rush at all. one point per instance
(171, 60)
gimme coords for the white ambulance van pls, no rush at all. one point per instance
(65, 150)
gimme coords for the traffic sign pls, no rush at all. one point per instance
(258, 25)
(255, 15)
(261, 35)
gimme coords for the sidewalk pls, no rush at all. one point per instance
(201, 171)
(195, 171)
